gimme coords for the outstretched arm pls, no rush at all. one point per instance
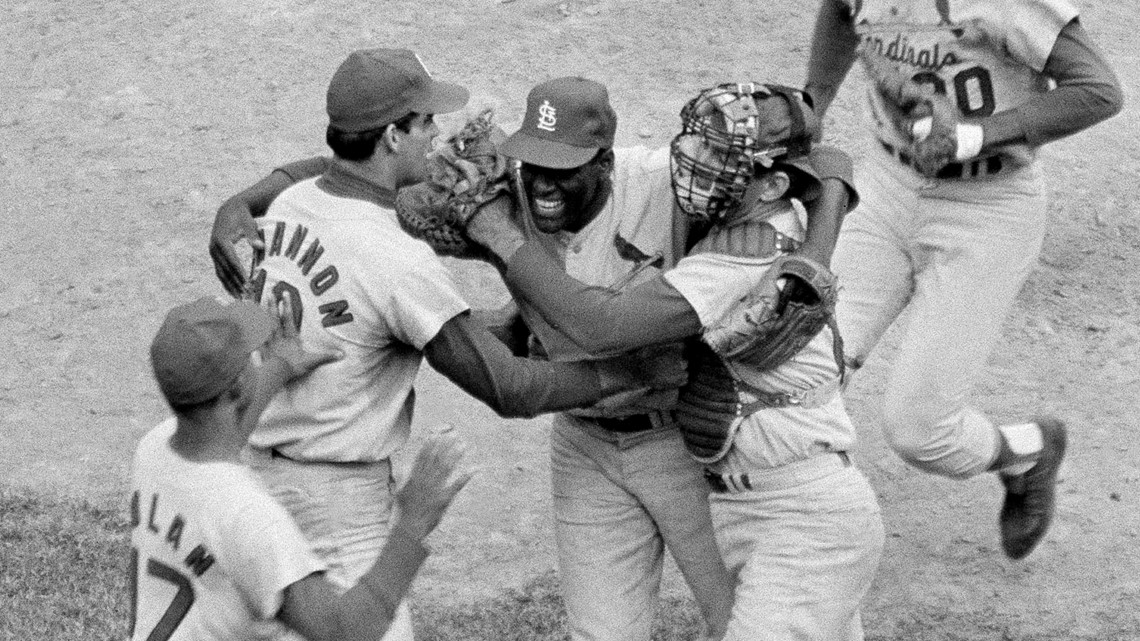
(469, 355)
(833, 47)
(826, 212)
(234, 220)
(311, 605)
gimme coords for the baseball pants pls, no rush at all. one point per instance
(343, 509)
(953, 254)
(802, 556)
(619, 501)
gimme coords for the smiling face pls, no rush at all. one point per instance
(414, 145)
(568, 199)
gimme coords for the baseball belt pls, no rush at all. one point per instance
(956, 170)
(621, 424)
(778, 478)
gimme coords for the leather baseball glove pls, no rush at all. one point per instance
(790, 306)
(926, 118)
(466, 172)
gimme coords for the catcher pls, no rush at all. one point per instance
(798, 525)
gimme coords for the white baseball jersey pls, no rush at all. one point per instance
(630, 242)
(987, 55)
(715, 284)
(363, 286)
(211, 551)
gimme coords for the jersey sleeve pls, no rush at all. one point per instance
(419, 299)
(714, 283)
(1031, 28)
(265, 553)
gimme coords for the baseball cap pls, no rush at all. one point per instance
(202, 347)
(376, 87)
(567, 121)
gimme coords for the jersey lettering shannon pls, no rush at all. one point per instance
(362, 286)
(211, 551)
(987, 55)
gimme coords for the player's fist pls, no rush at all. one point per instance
(657, 367)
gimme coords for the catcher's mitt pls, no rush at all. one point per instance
(775, 322)
(466, 172)
(924, 117)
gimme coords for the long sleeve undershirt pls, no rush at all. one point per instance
(651, 313)
(1087, 90)
(474, 359)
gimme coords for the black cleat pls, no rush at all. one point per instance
(1030, 498)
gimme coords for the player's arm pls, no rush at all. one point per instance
(1087, 92)
(234, 219)
(479, 363)
(311, 605)
(833, 47)
(825, 213)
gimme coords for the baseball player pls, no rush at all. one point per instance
(213, 556)
(363, 286)
(798, 525)
(954, 214)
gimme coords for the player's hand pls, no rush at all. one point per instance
(438, 473)
(286, 344)
(657, 367)
(232, 223)
(493, 226)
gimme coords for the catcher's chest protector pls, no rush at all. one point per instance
(710, 408)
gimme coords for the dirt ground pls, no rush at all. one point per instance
(124, 123)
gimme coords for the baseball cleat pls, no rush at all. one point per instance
(1030, 498)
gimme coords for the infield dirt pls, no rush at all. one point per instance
(123, 124)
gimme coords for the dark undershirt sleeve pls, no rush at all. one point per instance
(1087, 90)
(474, 359)
(596, 318)
(299, 170)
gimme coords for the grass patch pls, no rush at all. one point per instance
(63, 574)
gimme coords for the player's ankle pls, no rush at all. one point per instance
(1019, 447)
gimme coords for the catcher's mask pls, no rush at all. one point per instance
(722, 139)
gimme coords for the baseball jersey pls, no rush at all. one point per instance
(631, 241)
(986, 55)
(360, 285)
(211, 551)
(714, 284)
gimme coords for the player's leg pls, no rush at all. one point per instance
(671, 486)
(871, 257)
(609, 551)
(979, 245)
(804, 557)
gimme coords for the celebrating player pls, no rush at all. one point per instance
(798, 525)
(383, 298)
(213, 556)
(954, 214)
(623, 485)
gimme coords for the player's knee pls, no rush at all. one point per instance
(910, 428)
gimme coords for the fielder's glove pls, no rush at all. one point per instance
(928, 119)
(790, 306)
(466, 172)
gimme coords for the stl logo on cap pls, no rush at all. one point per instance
(547, 116)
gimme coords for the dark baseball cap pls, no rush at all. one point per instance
(567, 121)
(376, 87)
(203, 346)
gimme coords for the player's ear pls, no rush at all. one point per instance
(391, 138)
(771, 185)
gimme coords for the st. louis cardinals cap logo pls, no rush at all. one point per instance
(547, 116)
